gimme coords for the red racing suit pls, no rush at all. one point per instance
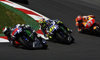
(87, 22)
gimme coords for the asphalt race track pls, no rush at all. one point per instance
(86, 47)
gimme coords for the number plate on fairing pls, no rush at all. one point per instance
(53, 28)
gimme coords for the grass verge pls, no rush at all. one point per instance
(10, 16)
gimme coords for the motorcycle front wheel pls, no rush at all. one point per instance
(25, 43)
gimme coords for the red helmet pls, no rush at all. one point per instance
(79, 18)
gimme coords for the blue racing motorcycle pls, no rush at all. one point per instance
(60, 33)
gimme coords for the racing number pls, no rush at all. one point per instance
(52, 28)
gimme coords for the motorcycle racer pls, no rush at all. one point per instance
(7, 31)
(84, 22)
(12, 38)
(56, 31)
(45, 24)
(10, 32)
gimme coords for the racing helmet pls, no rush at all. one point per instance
(79, 18)
(42, 20)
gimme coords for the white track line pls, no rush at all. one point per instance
(3, 40)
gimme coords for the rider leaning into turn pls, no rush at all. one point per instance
(9, 31)
(84, 22)
(45, 24)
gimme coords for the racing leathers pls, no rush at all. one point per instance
(84, 22)
(8, 32)
(12, 39)
(45, 26)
